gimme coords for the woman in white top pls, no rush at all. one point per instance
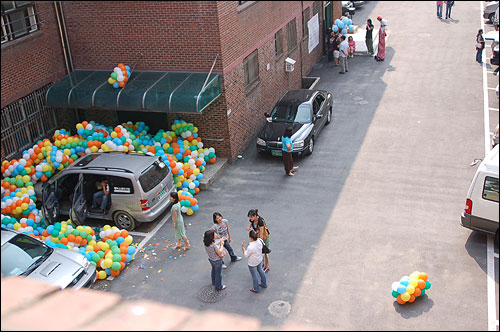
(254, 255)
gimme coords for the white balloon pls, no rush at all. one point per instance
(25, 157)
(118, 71)
(199, 145)
(23, 161)
(31, 151)
(192, 185)
(184, 209)
(89, 127)
(120, 78)
(192, 177)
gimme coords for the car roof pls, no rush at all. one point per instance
(7, 234)
(490, 162)
(132, 163)
(294, 96)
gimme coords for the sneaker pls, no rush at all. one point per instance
(223, 287)
(341, 72)
(346, 70)
(263, 286)
(224, 266)
(238, 258)
(253, 290)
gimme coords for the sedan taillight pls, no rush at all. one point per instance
(468, 206)
(145, 205)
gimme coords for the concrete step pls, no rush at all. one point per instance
(212, 171)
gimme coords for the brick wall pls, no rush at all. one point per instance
(33, 61)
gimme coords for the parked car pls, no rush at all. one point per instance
(494, 60)
(23, 255)
(139, 189)
(495, 138)
(489, 11)
(307, 111)
(348, 9)
(481, 206)
(358, 4)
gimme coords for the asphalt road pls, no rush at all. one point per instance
(380, 197)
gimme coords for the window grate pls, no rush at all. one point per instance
(291, 36)
(26, 121)
(251, 69)
(19, 19)
(278, 43)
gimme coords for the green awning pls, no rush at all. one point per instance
(144, 91)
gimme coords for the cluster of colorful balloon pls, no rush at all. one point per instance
(20, 203)
(410, 287)
(343, 24)
(119, 76)
(189, 204)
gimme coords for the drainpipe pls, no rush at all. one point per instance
(300, 45)
(68, 60)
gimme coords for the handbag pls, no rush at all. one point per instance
(479, 45)
(265, 249)
(266, 230)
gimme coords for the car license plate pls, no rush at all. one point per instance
(276, 153)
(162, 193)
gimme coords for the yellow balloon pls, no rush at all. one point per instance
(79, 126)
(108, 262)
(102, 275)
(92, 243)
(128, 239)
(405, 296)
(26, 178)
(189, 212)
(89, 248)
(410, 289)
(24, 206)
(106, 227)
(94, 149)
(17, 226)
(64, 142)
(114, 134)
(413, 282)
(79, 228)
(111, 80)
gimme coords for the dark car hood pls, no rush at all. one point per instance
(274, 130)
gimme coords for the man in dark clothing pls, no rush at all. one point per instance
(369, 36)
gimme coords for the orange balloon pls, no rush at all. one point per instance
(97, 248)
(26, 200)
(64, 241)
(417, 292)
(124, 257)
(412, 298)
(78, 239)
(422, 276)
(421, 284)
(71, 238)
(121, 84)
(123, 250)
(124, 233)
(400, 301)
(121, 65)
(123, 266)
(115, 273)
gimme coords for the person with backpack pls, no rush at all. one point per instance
(258, 224)
(254, 255)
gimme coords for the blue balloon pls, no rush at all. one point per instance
(115, 85)
(340, 24)
(336, 21)
(344, 31)
(349, 21)
(401, 289)
(351, 28)
(404, 282)
(335, 28)
(345, 20)
(127, 67)
(195, 208)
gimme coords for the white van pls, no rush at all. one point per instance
(481, 207)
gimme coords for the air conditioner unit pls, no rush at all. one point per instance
(289, 64)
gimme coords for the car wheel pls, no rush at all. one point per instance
(124, 220)
(329, 116)
(311, 146)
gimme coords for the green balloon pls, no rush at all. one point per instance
(115, 250)
(101, 253)
(113, 75)
(67, 232)
(116, 266)
(76, 232)
(19, 183)
(96, 257)
(422, 292)
(117, 258)
(93, 263)
(395, 294)
(427, 284)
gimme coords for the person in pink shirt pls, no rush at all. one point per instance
(439, 5)
(352, 46)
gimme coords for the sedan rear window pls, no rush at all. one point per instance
(153, 175)
(291, 113)
(23, 254)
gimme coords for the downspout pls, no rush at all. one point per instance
(68, 61)
(300, 44)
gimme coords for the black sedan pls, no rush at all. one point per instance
(307, 111)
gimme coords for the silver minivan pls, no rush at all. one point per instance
(139, 188)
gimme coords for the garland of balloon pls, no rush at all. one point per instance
(109, 248)
(343, 25)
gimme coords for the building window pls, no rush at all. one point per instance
(19, 18)
(306, 15)
(317, 8)
(278, 43)
(291, 35)
(26, 121)
(251, 69)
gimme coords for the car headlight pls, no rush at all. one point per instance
(298, 144)
(260, 141)
(86, 265)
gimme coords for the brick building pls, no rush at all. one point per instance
(249, 41)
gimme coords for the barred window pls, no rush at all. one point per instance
(317, 8)
(291, 35)
(19, 18)
(26, 121)
(251, 69)
(306, 15)
(278, 43)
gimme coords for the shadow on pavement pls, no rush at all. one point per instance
(418, 307)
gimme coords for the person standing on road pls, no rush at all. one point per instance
(480, 44)
(369, 36)
(336, 52)
(329, 46)
(215, 254)
(254, 255)
(258, 224)
(178, 221)
(221, 229)
(287, 148)
(344, 47)
(449, 4)
(381, 39)
(439, 5)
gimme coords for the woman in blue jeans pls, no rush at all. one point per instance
(480, 41)
(254, 255)
(215, 253)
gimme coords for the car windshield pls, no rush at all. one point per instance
(292, 113)
(153, 176)
(23, 254)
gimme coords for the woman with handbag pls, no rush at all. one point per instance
(254, 255)
(258, 224)
(215, 254)
(480, 43)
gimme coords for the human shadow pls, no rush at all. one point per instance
(417, 308)
(450, 20)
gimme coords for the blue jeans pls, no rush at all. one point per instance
(105, 198)
(448, 11)
(254, 270)
(479, 55)
(230, 251)
(216, 273)
(440, 11)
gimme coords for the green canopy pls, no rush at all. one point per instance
(144, 91)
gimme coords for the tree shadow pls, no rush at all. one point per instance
(411, 310)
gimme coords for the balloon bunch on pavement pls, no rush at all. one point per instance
(408, 288)
(120, 75)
